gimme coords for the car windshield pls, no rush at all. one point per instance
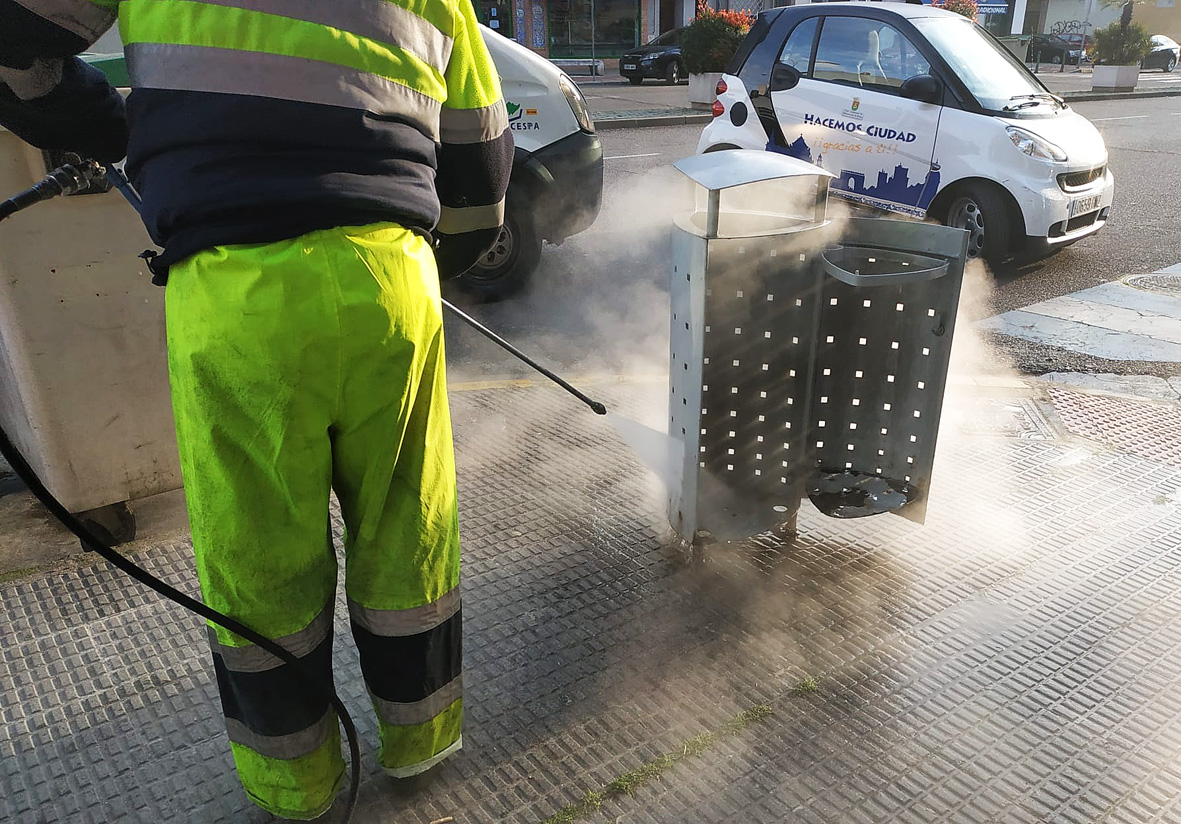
(990, 71)
(669, 38)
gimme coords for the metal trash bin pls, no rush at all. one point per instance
(798, 348)
(887, 314)
(745, 292)
(83, 367)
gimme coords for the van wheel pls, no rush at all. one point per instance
(983, 212)
(506, 268)
(672, 75)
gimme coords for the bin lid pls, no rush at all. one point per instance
(738, 167)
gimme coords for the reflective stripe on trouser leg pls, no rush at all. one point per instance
(253, 349)
(394, 474)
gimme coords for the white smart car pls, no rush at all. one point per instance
(918, 111)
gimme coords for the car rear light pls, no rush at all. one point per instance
(721, 89)
(718, 109)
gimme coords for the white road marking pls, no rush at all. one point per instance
(1128, 117)
(1112, 321)
(649, 154)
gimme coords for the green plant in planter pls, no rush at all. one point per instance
(1116, 45)
(1123, 43)
(711, 39)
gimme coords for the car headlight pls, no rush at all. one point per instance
(1035, 146)
(648, 58)
(577, 103)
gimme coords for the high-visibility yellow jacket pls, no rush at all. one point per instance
(256, 120)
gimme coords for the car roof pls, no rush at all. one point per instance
(910, 11)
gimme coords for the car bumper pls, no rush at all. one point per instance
(654, 69)
(566, 183)
(1056, 218)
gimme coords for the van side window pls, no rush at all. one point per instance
(797, 51)
(866, 53)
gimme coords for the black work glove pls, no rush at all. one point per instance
(82, 114)
(455, 254)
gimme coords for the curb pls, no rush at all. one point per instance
(655, 120)
(1081, 97)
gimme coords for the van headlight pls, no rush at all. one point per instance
(577, 103)
(1035, 146)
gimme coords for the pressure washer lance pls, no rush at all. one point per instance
(120, 182)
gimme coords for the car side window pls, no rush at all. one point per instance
(866, 53)
(797, 51)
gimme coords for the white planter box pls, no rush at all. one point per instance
(1120, 78)
(703, 88)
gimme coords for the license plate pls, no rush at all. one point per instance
(629, 67)
(1084, 205)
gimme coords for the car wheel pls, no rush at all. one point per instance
(506, 268)
(1056, 59)
(1172, 64)
(983, 212)
(672, 73)
(635, 81)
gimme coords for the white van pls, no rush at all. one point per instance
(918, 111)
(556, 187)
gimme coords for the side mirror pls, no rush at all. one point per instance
(783, 77)
(923, 88)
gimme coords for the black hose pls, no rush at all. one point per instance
(103, 546)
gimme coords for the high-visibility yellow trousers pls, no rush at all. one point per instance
(298, 368)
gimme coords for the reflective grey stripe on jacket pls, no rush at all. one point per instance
(412, 621)
(253, 658)
(36, 81)
(456, 221)
(286, 747)
(259, 74)
(419, 712)
(379, 20)
(82, 17)
(473, 125)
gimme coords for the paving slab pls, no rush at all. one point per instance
(1136, 320)
(1015, 659)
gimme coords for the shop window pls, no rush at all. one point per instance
(593, 28)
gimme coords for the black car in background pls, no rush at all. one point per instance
(660, 58)
(1050, 48)
(1165, 54)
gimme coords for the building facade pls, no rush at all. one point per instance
(583, 28)
(605, 29)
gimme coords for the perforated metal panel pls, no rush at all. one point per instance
(791, 375)
(882, 355)
(745, 315)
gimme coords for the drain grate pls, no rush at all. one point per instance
(1160, 284)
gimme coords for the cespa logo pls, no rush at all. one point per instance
(871, 130)
(517, 115)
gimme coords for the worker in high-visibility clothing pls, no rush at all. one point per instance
(305, 167)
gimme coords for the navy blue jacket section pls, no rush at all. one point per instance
(220, 169)
(82, 114)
